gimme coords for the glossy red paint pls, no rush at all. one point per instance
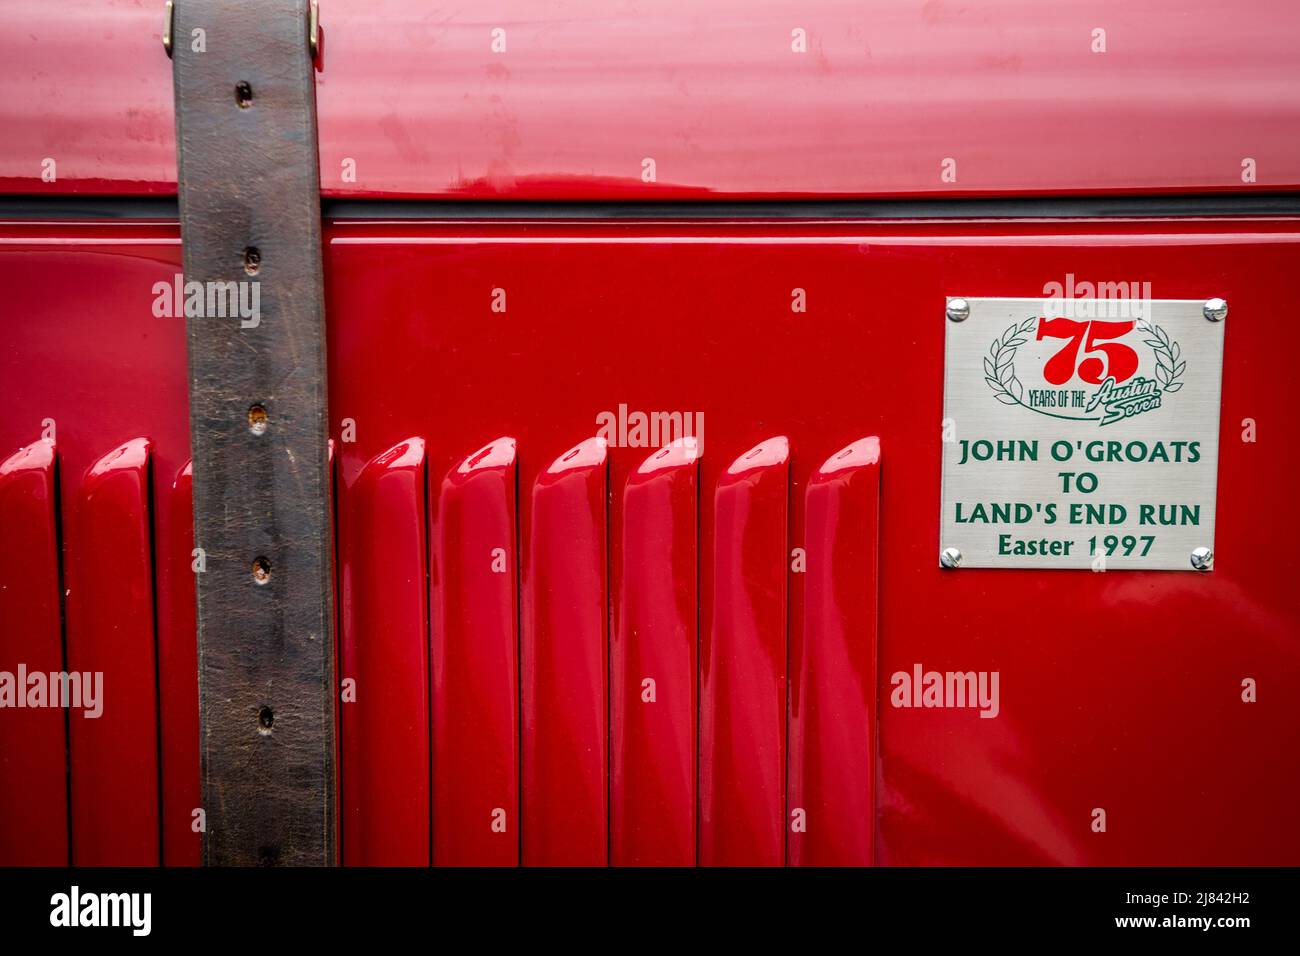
(653, 786)
(113, 753)
(33, 740)
(336, 680)
(178, 677)
(384, 713)
(476, 662)
(743, 664)
(566, 664)
(696, 316)
(415, 99)
(123, 376)
(833, 676)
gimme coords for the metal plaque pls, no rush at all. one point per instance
(1081, 433)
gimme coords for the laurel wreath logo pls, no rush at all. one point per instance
(1169, 369)
(1000, 369)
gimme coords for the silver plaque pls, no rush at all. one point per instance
(1081, 433)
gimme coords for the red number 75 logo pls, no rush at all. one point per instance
(1119, 362)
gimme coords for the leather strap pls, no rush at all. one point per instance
(250, 213)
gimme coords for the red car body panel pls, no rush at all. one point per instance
(414, 102)
(743, 663)
(113, 756)
(833, 677)
(564, 651)
(475, 658)
(384, 657)
(559, 650)
(656, 639)
(1126, 685)
(33, 741)
(178, 662)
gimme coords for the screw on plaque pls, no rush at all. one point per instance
(950, 558)
(1202, 559)
(1216, 310)
(958, 310)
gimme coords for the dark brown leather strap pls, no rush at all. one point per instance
(250, 213)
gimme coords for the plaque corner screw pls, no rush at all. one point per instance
(1216, 310)
(958, 310)
(950, 558)
(1202, 559)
